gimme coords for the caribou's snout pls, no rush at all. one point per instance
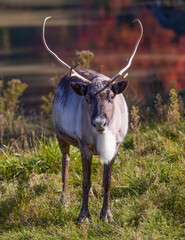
(99, 124)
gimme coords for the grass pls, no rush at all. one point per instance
(147, 195)
(148, 182)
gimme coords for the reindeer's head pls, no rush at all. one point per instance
(99, 93)
(99, 96)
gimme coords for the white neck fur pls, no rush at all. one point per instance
(106, 146)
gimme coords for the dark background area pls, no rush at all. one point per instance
(105, 28)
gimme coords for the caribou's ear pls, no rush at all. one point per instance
(79, 88)
(119, 87)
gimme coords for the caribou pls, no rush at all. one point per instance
(90, 113)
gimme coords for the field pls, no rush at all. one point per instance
(147, 193)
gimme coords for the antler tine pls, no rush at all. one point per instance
(73, 73)
(121, 73)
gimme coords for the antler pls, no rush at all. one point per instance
(73, 73)
(121, 73)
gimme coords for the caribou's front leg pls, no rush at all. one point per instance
(105, 212)
(86, 166)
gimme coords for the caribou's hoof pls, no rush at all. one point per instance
(84, 217)
(91, 194)
(84, 220)
(106, 216)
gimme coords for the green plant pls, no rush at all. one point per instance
(47, 104)
(173, 114)
(85, 58)
(10, 99)
(135, 125)
(46, 107)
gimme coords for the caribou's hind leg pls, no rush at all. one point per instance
(64, 147)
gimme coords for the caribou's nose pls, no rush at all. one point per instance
(99, 123)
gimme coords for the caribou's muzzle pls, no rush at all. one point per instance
(99, 124)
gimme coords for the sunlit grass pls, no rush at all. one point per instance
(147, 195)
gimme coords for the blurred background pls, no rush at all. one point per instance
(104, 27)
